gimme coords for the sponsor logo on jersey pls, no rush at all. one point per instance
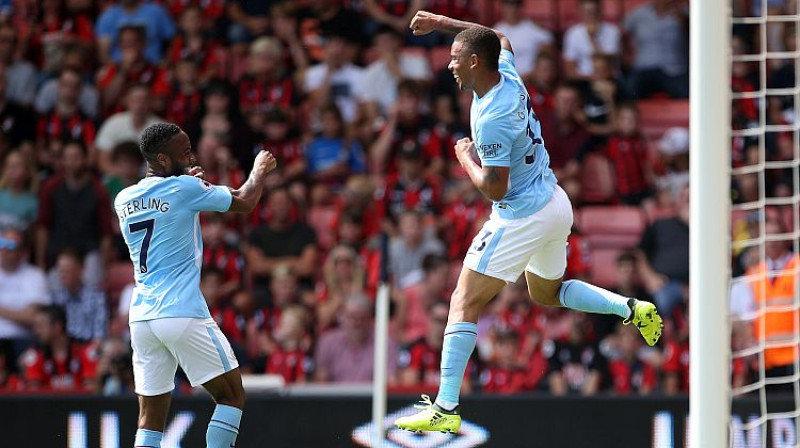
(490, 150)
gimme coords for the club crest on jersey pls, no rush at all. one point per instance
(490, 150)
(206, 186)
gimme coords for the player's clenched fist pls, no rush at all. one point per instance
(264, 163)
(424, 23)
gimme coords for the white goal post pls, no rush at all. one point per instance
(710, 75)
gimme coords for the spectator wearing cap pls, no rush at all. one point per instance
(85, 306)
(132, 68)
(125, 126)
(19, 184)
(409, 248)
(590, 36)
(22, 288)
(192, 41)
(409, 188)
(65, 121)
(528, 38)
(659, 36)
(335, 79)
(267, 82)
(346, 354)
(406, 126)
(674, 152)
(19, 75)
(157, 23)
(382, 77)
(331, 157)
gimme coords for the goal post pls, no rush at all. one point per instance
(710, 76)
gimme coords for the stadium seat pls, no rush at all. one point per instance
(658, 115)
(604, 268)
(321, 220)
(614, 227)
(597, 180)
(440, 57)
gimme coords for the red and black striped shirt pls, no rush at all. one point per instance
(628, 155)
(256, 95)
(54, 127)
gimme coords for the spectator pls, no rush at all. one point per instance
(462, 217)
(116, 79)
(503, 375)
(675, 368)
(414, 302)
(407, 250)
(345, 354)
(674, 153)
(585, 39)
(267, 82)
(85, 306)
(18, 187)
(407, 127)
(357, 207)
(576, 365)
(627, 152)
(75, 212)
(220, 167)
(75, 59)
(184, 99)
(284, 291)
(246, 324)
(331, 157)
(419, 362)
(282, 141)
(630, 370)
(382, 77)
(158, 29)
(343, 276)
(192, 41)
(220, 255)
(335, 79)
(659, 35)
(22, 288)
(410, 188)
(541, 82)
(125, 126)
(126, 163)
(283, 240)
(218, 114)
(59, 363)
(663, 257)
(19, 123)
(247, 19)
(599, 97)
(115, 368)
(771, 287)
(290, 357)
(56, 28)
(66, 121)
(527, 38)
(19, 75)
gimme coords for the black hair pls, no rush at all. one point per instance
(71, 252)
(482, 42)
(626, 257)
(140, 31)
(128, 150)
(155, 137)
(55, 314)
(431, 262)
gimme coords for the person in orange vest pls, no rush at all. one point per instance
(770, 295)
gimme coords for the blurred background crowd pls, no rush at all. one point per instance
(362, 117)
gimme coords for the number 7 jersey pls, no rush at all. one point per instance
(160, 220)
(507, 133)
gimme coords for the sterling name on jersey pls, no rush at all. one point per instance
(507, 133)
(160, 220)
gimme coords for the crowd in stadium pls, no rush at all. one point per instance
(362, 117)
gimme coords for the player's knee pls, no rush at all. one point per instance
(544, 296)
(233, 396)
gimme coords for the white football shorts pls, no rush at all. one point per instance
(504, 248)
(160, 345)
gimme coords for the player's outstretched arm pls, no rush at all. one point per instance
(425, 22)
(247, 196)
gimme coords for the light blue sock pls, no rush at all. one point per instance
(223, 427)
(459, 342)
(148, 439)
(581, 296)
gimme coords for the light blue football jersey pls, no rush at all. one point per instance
(160, 220)
(507, 133)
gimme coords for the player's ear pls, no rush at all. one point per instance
(473, 60)
(163, 160)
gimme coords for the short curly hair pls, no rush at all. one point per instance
(155, 137)
(483, 42)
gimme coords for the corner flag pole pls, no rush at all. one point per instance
(381, 346)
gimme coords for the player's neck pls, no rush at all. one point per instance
(482, 87)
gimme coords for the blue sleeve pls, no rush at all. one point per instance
(494, 139)
(506, 64)
(201, 196)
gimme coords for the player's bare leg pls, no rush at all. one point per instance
(582, 296)
(470, 297)
(152, 419)
(228, 393)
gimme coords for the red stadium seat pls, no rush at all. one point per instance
(616, 227)
(604, 267)
(597, 180)
(658, 115)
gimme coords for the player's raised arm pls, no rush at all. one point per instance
(425, 22)
(244, 199)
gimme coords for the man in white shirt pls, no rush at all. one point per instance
(125, 126)
(528, 38)
(22, 288)
(382, 76)
(583, 40)
(335, 79)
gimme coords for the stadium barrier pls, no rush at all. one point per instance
(328, 422)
